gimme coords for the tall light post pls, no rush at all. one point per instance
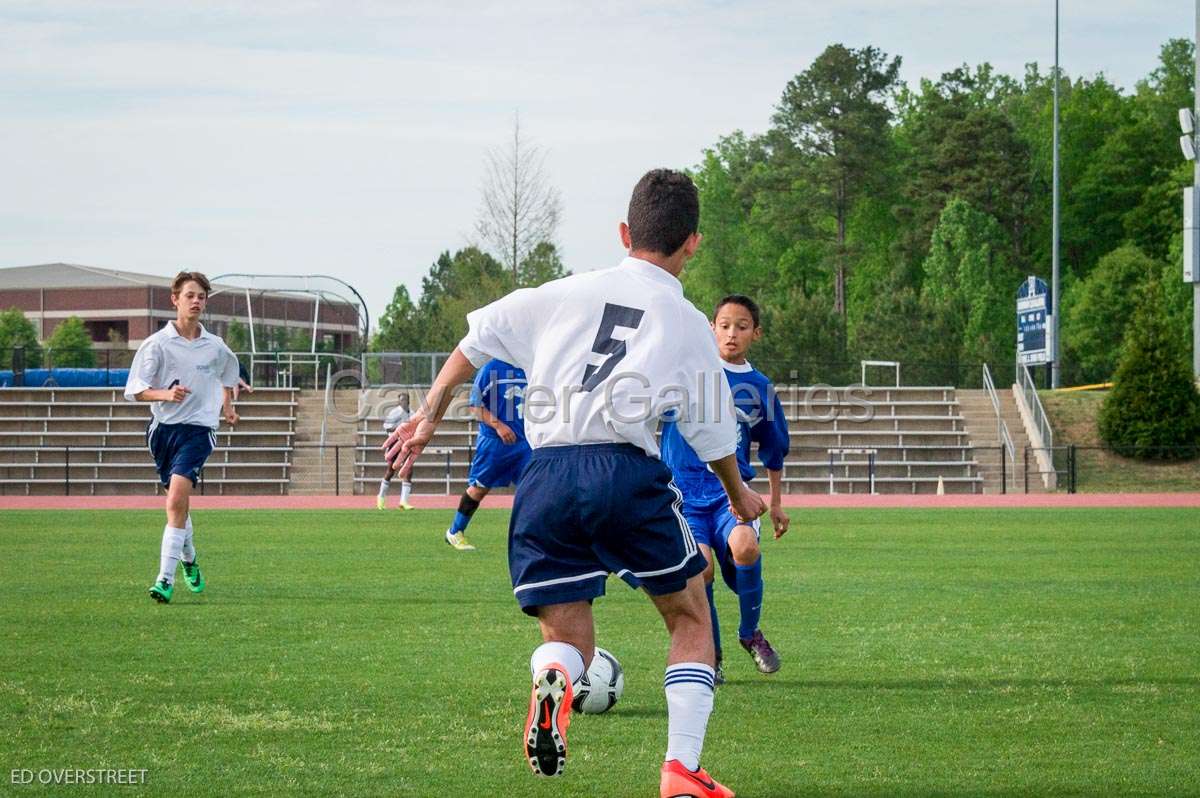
(1055, 296)
(1189, 143)
(1196, 187)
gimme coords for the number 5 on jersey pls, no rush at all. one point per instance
(614, 316)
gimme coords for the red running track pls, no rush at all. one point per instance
(505, 501)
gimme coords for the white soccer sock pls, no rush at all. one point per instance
(689, 689)
(405, 492)
(564, 654)
(172, 551)
(188, 551)
(384, 485)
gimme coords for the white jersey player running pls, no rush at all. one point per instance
(606, 353)
(395, 417)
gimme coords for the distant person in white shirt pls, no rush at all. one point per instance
(188, 374)
(606, 353)
(395, 417)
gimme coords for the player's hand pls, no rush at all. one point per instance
(747, 505)
(779, 520)
(405, 444)
(176, 393)
(505, 432)
(242, 385)
(231, 416)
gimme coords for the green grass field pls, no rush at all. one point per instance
(926, 653)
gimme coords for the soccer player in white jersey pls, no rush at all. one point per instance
(606, 353)
(188, 374)
(395, 417)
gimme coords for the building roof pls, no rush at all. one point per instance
(71, 275)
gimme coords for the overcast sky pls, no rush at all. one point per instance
(349, 137)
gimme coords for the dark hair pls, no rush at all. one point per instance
(663, 211)
(190, 277)
(739, 299)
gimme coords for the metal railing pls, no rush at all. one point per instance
(1033, 403)
(1002, 433)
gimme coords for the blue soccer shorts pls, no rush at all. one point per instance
(712, 522)
(497, 464)
(180, 449)
(583, 512)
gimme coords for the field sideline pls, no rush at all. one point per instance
(926, 653)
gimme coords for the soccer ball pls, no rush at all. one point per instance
(600, 686)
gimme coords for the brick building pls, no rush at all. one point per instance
(128, 306)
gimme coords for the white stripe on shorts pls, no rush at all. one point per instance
(560, 581)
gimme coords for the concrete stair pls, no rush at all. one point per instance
(316, 470)
(980, 419)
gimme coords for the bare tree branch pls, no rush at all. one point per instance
(520, 208)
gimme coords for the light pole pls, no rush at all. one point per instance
(1054, 294)
(1196, 187)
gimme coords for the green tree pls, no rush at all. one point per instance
(837, 114)
(1154, 404)
(969, 284)
(541, 265)
(399, 328)
(16, 331)
(1097, 309)
(237, 336)
(70, 345)
(957, 142)
(456, 285)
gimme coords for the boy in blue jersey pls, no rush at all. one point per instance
(501, 451)
(734, 544)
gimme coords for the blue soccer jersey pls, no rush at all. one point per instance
(500, 388)
(760, 420)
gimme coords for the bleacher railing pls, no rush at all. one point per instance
(1002, 433)
(1033, 404)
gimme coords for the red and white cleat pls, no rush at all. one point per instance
(679, 782)
(545, 733)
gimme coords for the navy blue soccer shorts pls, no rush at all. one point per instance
(497, 464)
(712, 522)
(583, 512)
(180, 449)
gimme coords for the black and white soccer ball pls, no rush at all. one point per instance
(600, 686)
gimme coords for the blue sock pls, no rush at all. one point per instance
(716, 624)
(466, 508)
(750, 597)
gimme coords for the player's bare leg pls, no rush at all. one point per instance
(689, 687)
(175, 538)
(747, 558)
(569, 636)
(706, 550)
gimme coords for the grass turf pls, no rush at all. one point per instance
(926, 653)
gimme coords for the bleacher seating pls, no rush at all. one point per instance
(92, 441)
(918, 435)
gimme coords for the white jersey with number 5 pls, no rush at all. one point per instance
(605, 353)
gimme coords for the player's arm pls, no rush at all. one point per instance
(144, 373)
(486, 416)
(409, 439)
(743, 500)
(779, 519)
(771, 434)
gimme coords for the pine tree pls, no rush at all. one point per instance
(1153, 411)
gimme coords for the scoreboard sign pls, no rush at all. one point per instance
(1035, 330)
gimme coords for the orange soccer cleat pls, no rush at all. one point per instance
(549, 715)
(679, 782)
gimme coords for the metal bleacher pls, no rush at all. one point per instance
(90, 441)
(917, 436)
